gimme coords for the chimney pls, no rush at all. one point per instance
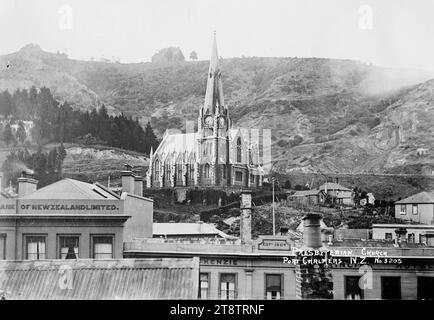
(200, 223)
(138, 185)
(284, 231)
(246, 216)
(313, 281)
(26, 184)
(312, 231)
(401, 234)
(127, 179)
(1, 180)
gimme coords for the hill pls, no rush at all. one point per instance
(327, 115)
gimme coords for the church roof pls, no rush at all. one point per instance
(72, 189)
(178, 143)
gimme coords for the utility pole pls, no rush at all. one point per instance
(274, 217)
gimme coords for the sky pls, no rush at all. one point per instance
(389, 33)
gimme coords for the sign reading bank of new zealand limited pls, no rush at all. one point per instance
(69, 207)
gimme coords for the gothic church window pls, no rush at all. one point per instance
(157, 169)
(206, 171)
(239, 148)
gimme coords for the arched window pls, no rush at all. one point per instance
(179, 173)
(206, 171)
(239, 148)
(156, 169)
(167, 172)
(191, 172)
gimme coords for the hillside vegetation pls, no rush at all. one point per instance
(328, 115)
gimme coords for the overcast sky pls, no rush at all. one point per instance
(393, 33)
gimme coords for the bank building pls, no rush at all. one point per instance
(216, 155)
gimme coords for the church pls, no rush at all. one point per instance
(216, 155)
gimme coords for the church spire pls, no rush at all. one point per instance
(214, 87)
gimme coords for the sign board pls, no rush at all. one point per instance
(218, 261)
(274, 244)
(60, 206)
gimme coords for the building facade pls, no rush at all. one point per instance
(216, 155)
(412, 233)
(418, 208)
(70, 219)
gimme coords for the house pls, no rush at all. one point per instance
(418, 208)
(338, 193)
(307, 197)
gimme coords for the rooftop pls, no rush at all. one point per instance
(421, 197)
(303, 193)
(100, 279)
(73, 189)
(333, 186)
(183, 229)
(402, 225)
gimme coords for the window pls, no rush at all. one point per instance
(204, 286)
(352, 288)
(414, 209)
(35, 247)
(422, 238)
(403, 209)
(239, 150)
(102, 247)
(179, 173)
(425, 288)
(410, 238)
(239, 176)
(388, 236)
(2, 247)
(224, 171)
(227, 286)
(273, 286)
(391, 288)
(191, 172)
(206, 171)
(157, 170)
(68, 247)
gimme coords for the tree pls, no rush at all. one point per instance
(21, 132)
(168, 55)
(150, 138)
(193, 55)
(7, 134)
(287, 184)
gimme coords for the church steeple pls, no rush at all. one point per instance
(214, 88)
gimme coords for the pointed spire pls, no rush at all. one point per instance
(214, 87)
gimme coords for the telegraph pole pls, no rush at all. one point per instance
(274, 217)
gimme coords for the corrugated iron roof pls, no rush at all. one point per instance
(421, 197)
(304, 193)
(192, 229)
(72, 189)
(100, 279)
